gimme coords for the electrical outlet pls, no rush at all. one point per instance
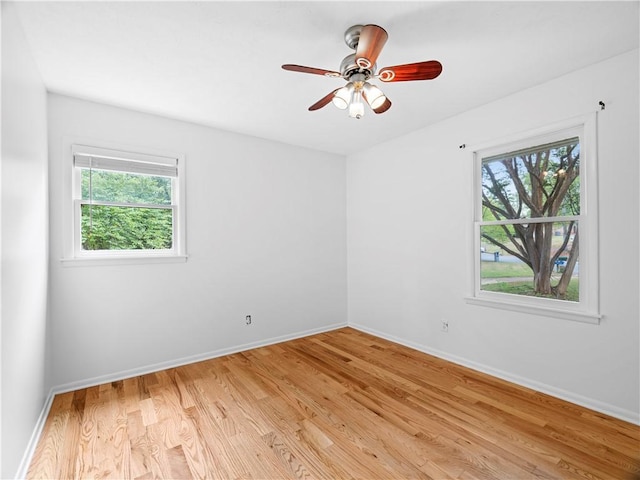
(248, 319)
(445, 326)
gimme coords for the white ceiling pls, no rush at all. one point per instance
(218, 63)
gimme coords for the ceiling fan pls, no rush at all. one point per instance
(359, 67)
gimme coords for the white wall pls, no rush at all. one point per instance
(409, 232)
(24, 243)
(266, 236)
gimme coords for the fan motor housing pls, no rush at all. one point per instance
(348, 67)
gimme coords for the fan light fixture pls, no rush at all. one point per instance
(342, 97)
(374, 96)
(356, 107)
(351, 96)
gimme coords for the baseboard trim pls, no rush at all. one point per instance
(134, 372)
(35, 437)
(590, 403)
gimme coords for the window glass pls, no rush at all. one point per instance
(108, 186)
(125, 228)
(506, 266)
(542, 181)
(525, 258)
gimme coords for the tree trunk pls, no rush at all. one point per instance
(563, 284)
(542, 275)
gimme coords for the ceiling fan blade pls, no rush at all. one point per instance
(315, 71)
(372, 39)
(323, 101)
(384, 107)
(411, 71)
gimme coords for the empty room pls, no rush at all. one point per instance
(300, 239)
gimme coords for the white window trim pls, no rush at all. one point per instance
(588, 309)
(72, 254)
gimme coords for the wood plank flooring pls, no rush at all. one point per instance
(337, 405)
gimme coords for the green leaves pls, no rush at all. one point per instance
(108, 186)
(126, 226)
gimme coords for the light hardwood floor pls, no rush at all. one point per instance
(337, 405)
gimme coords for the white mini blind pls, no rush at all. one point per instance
(127, 162)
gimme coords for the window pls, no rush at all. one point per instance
(535, 225)
(126, 205)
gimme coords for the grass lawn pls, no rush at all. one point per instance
(499, 270)
(526, 288)
(504, 269)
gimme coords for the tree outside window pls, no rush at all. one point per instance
(529, 230)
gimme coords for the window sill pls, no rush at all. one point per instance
(98, 261)
(574, 315)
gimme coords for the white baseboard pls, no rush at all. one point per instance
(35, 437)
(590, 403)
(134, 372)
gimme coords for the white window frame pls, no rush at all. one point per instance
(587, 309)
(81, 154)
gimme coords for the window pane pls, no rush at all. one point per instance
(542, 181)
(126, 228)
(108, 186)
(534, 260)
